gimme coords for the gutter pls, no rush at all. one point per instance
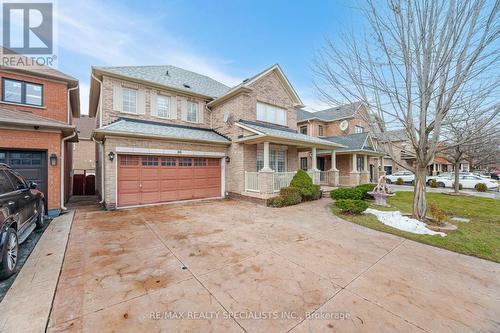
(69, 108)
(100, 98)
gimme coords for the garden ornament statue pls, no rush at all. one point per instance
(380, 192)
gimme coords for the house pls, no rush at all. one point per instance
(84, 149)
(37, 107)
(168, 134)
(395, 143)
(359, 160)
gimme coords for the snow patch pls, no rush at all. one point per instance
(396, 220)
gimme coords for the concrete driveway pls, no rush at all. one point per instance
(229, 266)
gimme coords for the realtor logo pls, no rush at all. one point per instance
(27, 27)
(27, 33)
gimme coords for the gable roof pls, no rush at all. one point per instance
(331, 114)
(144, 128)
(84, 125)
(246, 86)
(355, 142)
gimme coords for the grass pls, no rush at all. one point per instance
(480, 237)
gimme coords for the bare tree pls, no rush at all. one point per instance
(419, 61)
(484, 154)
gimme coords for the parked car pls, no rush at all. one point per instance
(22, 209)
(467, 181)
(495, 175)
(445, 175)
(406, 176)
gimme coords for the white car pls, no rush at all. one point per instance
(445, 175)
(406, 176)
(467, 181)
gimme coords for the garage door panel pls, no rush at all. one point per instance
(151, 179)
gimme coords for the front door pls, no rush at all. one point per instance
(321, 163)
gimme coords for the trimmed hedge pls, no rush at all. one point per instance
(305, 185)
(365, 188)
(400, 181)
(289, 196)
(347, 193)
(481, 187)
(351, 206)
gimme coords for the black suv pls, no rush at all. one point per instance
(22, 209)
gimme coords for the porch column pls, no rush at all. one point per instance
(314, 159)
(334, 161)
(334, 179)
(364, 175)
(365, 163)
(266, 157)
(354, 174)
(354, 163)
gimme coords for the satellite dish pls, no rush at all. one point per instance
(226, 116)
(343, 125)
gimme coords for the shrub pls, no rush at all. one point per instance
(433, 183)
(351, 206)
(275, 202)
(304, 184)
(437, 213)
(481, 187)
(290, 196)
(365, 188)
(400, 181)
(346, 193)
(317, 193)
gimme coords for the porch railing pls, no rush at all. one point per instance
(252, 181)
(282, 179)
(326, 177)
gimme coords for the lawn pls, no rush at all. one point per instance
(480, 237)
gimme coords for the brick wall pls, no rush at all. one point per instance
(49, 141)
(84, 155)
(55, 97)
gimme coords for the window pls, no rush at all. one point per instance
(200, 162)
(358, 129)
(21, 92)
(184, 162)
(150, 161)
(320, 130)
(360, 162)
(129, 160)
(129, 100)
(277, 160)
(168, 161)
(17, 181)
(192, 112)
(163, 106)
(271, 114)
(303, 130)
(5, 185)
(303, 163)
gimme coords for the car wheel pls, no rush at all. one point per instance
(9, 254)
(41, 215)
(388, 181)
(441, 184)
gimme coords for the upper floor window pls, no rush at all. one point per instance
(271, 114)
(320, 130)
(163, 106)
(22, 92)
(129, 100)
(358, 129)
(192, 112)
(303, 130)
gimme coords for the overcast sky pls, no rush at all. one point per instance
(226, 40)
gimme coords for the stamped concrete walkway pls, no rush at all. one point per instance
(228, 266)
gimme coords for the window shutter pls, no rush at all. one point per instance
(173, 107)
(153, 104)
(141, 102)
(201, 112)
(117, 96)
(184, 109)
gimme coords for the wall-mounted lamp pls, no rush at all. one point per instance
(228, 159)
(111, 156)
(53, 159)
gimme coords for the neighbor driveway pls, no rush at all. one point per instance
(184, 268)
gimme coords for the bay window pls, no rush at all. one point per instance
(271, 114)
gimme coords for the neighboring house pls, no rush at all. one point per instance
(402, 151)
(36, 111)
(359, 160)
(168, 134)
(84, 149)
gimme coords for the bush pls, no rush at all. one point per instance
(304, 184)
(481, 187)
(437, 213)
(290, 195)
(346, 193)
(400, 181)
(275, 202)
(317, 193)
(365, 188)
(351, 206)
(433, 183)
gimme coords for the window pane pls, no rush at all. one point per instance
(168, 161)
(16, 180)
(184, 162)
(163, 106)
(33, 94)
(200, 162)
(192, 111)
(150, 161)
(271, 114)
(129, 100)
(12, 91)
(5, 185)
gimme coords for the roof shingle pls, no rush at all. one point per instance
(335, 113)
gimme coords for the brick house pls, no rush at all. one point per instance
(84, 149)
(37, 107)
(167, 134)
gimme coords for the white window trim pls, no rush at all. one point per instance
(197, 121)
(136, 100)
(169, 107)
(272, 106)
(275, 148)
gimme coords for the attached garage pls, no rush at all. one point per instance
(146, 179)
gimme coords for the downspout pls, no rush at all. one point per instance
(101, 143)
(100, 99)
(63, 142)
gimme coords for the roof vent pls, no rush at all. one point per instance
(187, 86)
(167, 73)
(245, 80)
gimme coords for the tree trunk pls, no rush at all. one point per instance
(419, 201)
(456, 182)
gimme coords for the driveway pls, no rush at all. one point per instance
(230, 266)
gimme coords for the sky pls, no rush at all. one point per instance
(226, 40)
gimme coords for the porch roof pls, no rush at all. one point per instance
(260, 132)
(355, 143)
